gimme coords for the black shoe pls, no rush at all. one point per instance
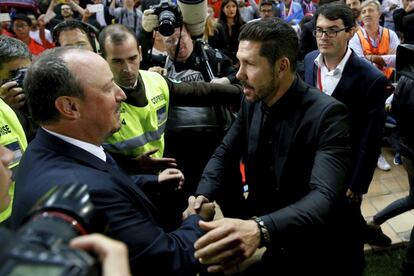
(375, 236)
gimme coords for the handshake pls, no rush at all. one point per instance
(200, 206)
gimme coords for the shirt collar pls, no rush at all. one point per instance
(98, 151)
(339, 68)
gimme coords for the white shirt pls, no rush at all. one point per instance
(389, 59)
(36, 36)
(91, 148)
(330, 79)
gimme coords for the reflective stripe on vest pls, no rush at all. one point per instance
(382, 48)
(12, 136)
(143, 127)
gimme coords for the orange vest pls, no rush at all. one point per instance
(382, 48)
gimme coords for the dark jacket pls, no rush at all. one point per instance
(363, 89)
(404, 22)
(403, 112)
(304, 186)
(119, 201)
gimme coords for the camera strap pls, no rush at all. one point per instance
(177, 48)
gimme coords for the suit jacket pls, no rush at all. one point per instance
(309, 162)
(119, 202)
(363, 89)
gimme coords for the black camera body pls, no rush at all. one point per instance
(41, 245)
(19, 76)
(169, 17)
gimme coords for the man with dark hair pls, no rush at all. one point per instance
(76, 33)
(337, 71)
(294, 142)
(71, 93)
(307, 42)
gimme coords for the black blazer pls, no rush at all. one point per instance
(363, 89)
(119, 202)
(309, 143)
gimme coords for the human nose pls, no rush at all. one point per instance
(241, 74)
(120, 94)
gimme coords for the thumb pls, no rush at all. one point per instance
(208, 225)
(151, 152)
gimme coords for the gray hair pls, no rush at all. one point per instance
(11, 48)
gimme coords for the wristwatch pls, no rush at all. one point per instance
(264, 232)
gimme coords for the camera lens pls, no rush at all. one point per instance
(167, 23)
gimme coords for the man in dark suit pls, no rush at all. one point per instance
(294, 142)
(76, 113)
(337, 71)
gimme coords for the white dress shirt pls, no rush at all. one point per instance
(330, 79)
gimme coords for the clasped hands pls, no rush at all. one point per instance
(227, 243)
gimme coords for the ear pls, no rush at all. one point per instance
(68, 107)
(284, 66)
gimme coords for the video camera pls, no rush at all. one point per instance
(191, 12)
(40, 246)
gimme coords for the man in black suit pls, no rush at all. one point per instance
(76, 113)
(337, 71)
(294, 142)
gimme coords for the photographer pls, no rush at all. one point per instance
(14, 56)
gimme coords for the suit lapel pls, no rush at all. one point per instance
(345, 84)
(81, 156)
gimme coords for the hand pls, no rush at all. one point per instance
(223, 80)
(41, 21)
(379, 61)
(205, 209)
(149, 20)
(86, 14)
(171, 177)
(145, 162)
(228, 242)
(6, 157)
(353, 197)
(113, 254)
(158, 69)
(12, 94)
(409, 7)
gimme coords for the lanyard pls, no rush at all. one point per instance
(320, 80)
(284, 10)
(372, 48)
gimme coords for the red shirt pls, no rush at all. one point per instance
(35, 48)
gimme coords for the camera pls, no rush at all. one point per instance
(40, 246)
(194, 16)
(169, 17)
(19, 76)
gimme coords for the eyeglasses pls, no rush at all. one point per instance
(328, 33)
(20, 26)
(266, 10)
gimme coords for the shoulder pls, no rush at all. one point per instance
(311, 56)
